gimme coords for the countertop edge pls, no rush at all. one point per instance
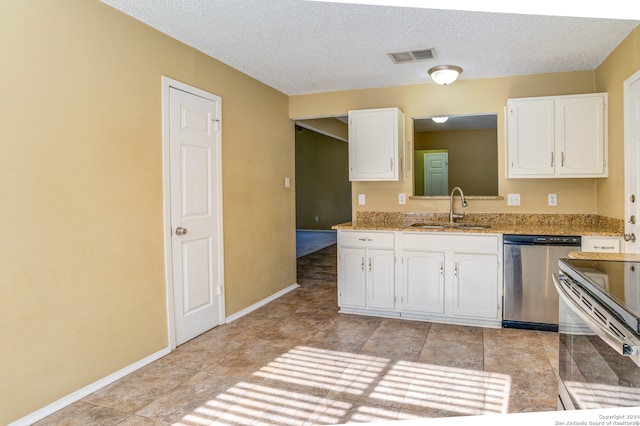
(493, 229)
(618, 257)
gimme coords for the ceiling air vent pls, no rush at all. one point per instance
(413, 56)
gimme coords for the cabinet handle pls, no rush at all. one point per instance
(562, 159)
(391, 163)
(455, 270)
(552, 159)
(604, 247)
(365, 239)
(369, 264)
(362, 264)
(441, 269)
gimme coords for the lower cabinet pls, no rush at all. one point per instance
(423, 282)
(366, 270)
(476, 291)
(453, 278)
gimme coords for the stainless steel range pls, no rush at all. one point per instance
(599, 334)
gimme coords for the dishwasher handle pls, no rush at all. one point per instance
(598, 320)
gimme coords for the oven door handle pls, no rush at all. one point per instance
(627, 346)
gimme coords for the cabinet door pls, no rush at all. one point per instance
(531, 136)
(374, 144)
(423, 282)
(475, 285)
(351, 277)
(580, 135)
(380, 279)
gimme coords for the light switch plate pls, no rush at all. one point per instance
(402, 198)
(513, 199)
(361, 199)
(553, 199)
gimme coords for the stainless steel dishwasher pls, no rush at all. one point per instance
(530, 298)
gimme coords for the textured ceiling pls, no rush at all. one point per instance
(300, 47)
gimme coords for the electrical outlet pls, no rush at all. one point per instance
(287, 182)
(513, 199)
(402, 198)
(361, 200)
(317, 219)
(553, 199)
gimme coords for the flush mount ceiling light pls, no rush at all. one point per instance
(444, 74)
(439, 120)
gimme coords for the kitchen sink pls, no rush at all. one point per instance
(470, 226)
(450, 225)
(428, 225)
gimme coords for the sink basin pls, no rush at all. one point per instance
(428, 225)
(469, 226)
(450, 225)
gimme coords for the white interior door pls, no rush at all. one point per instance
(632, 162)
(436, 173)
(196, 231)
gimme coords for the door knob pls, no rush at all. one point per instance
(630, 237)
(181, 231)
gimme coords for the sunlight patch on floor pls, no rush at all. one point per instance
(324, 369)
(599, 395)
(451, 389)
(374, 382)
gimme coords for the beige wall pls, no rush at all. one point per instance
(82, 284)
(463, 97)
(473, 159)
(610, 76)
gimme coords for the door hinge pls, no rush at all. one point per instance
(218, 290)
(216, 124)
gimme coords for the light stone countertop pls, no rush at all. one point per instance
(500, 223)
(587, 255)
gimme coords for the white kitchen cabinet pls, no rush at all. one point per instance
(352, 289)
(375, 144)
(423, 281)
(476, 286)
(454, 278)
(557, 136)
(443, 277)
(366, 270)
(601, 244)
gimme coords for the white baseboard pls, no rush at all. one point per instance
(261, 303)
(97, 385)
(89, 389)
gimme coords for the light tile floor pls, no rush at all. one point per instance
(297, 361)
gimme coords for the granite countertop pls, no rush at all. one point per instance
(499, 223)
(587, 255)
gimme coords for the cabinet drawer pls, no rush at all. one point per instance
(366, 239)
(601, 244)
(458, 242)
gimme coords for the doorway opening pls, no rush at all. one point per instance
(323, 189)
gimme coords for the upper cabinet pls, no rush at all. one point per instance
(375, 144)
(557, 137)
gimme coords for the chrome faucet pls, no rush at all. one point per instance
(453, 215)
